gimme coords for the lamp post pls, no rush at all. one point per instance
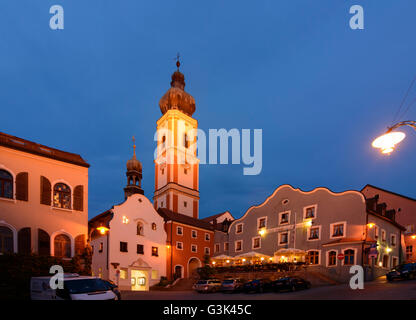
(388, 141)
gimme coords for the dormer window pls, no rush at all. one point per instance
(140, 229)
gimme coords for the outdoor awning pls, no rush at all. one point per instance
(222, 257)
(252, 254)
(289, 251)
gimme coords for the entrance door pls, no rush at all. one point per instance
(193, 264)
(178, 273)
(139, 280)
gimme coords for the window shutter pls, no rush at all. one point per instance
(45, 191)
(79, 244)
(79, 198)
(24, 241)
(44, 245)
(22, 187)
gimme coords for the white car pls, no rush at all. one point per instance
(75, 288)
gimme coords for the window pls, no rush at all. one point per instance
(239, 245)
(140, 229)
(207, 237)
(6, 240)
(312, 257)
(383, 235)
(186, 141)
(393, 241)
(163, 172)
(140, 249)
(6, 184)
(179, 231)
(314, 233)
(349, 257)
(226, 246)
(123, 246)
(284, 217)
(61, 196)
(261, 223)
(154, 227)
(409, 252)
(161, 204)
(283, 238)
(185, 204)
(337, 229)
(376, 233)
(185, 171)
(332, 258)
(194, 248)
(101, 248)
(217, 247)
(385, 261)
(207, 251)
(309, 212)
(239, 228)
(80, 244)
(123, 273)
(62, 245)
(394, 261)
(179, 245)
(256, 243)
(155, 251)
(194, 234)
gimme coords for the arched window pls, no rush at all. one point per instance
(6, 240)
(154, 227)
(62, 245)
(61, 196)
(332, 258)
(349, 257)
(140, 229)
(6, 184)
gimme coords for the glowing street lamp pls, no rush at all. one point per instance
(262, 232)
(388, 141)
(102, 229)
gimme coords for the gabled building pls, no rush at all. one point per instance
(402, 209)
(317, 227)
(129, 240)
(43, 199)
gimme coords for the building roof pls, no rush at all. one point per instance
(388, 191)
(20, 144)
(215, 216)
(378, 215)
(169, 215)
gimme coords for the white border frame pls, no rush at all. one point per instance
(258, 223)
(235, 245)
(327, 258)
(310, 206)
(280, 218)
(344, 233)
(355, 257)
(308, 233)
(252, 242)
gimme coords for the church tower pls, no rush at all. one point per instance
(176, 164)
(134, 175)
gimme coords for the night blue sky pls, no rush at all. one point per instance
(319, 90)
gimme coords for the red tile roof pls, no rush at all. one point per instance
(169, 215)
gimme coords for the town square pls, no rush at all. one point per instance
(214, 151)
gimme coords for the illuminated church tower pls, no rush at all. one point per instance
(176, 164)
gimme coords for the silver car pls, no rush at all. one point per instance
(211, 285)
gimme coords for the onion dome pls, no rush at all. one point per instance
(133, 164)
(176, 97)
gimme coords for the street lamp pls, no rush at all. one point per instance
(388, 141)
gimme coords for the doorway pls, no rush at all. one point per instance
(194, 263)
(139, 280)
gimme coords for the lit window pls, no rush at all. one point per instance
(62, 196)
(155, 275)
(123, 273)
(140, 229)
(155, 251)
(6, 184)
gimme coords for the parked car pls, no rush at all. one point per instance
(403, 271)
(114, 288)
(232, 285)
(211, 285)
(75, 288)
(290, 284)
(257, 285)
